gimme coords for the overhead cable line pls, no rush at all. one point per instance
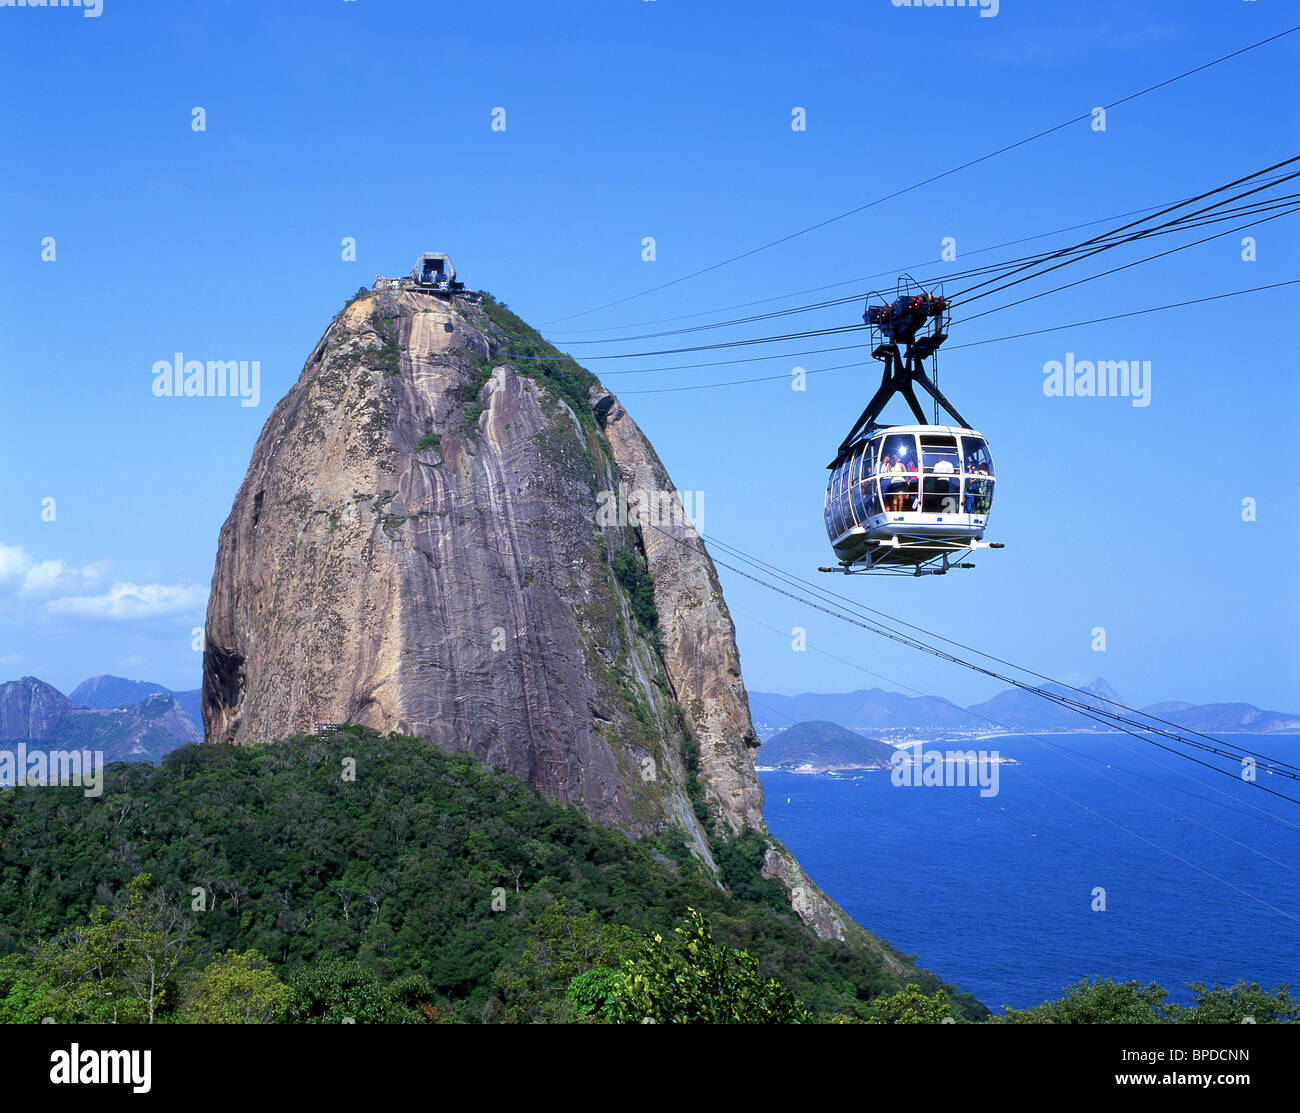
(891, 273)
(785, 376)
(1287, 207)
(933, 178)
(1137, 262)
(1088, 711)
(912, 643)
(960, 296)
(1056, 792)
(1264, 815)
(1275, 765)
(999, 270)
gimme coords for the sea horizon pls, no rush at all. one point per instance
(997, 894)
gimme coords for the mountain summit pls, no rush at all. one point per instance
(439, 535)
(37, 714)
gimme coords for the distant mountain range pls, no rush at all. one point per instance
(116, 691)
(875, 710)
(818, 746)
(139, 720)
(127, 720)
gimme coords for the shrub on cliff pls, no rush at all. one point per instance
(1102, 1001)
(911, 1006)
(636, 580)
(693, 980)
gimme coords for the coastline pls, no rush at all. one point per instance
(809, 769)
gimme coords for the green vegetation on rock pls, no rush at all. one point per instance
(1106, 1002)
(693, 980)
(636, 580)
(532, 356)
(446, 889)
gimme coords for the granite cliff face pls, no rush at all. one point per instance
(697, 633)
(31, 710)
(435, 541)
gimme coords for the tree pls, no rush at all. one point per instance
(692, 980)
(1235, 1004)
(593, 993)
(236, 989)
(415, 848)
(1099, 1002)
(153, 934)
(740, 862)
(910, 1006)
(560, 947)
(337, 991)
(20, 992)
(123, 967)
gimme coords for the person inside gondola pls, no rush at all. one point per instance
(978, 495)
(894, 493)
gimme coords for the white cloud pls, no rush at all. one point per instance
(69, 589)
(47, 577)
(127, 600)
(14, 561)
(50, 576)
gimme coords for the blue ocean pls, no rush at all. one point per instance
(1200, 871)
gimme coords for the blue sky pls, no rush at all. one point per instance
(632, 118)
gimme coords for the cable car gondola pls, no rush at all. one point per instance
(910, 499)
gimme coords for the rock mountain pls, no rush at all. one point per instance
(820, 746)
(432, 539)
(31, 710)
(38, 714)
